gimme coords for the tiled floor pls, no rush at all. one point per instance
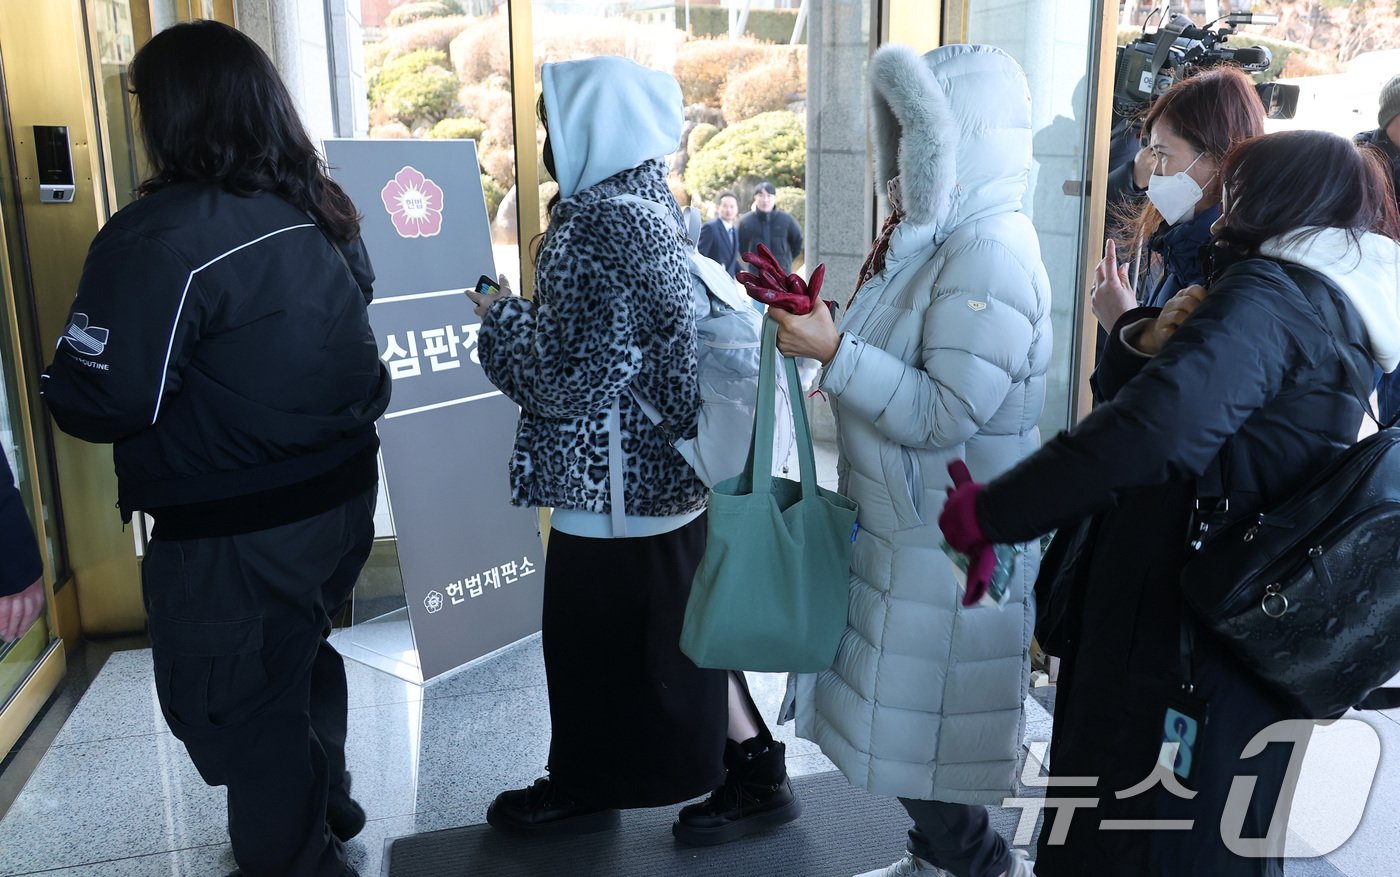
(114, 794)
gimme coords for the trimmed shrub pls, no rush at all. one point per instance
(794, 201)
(772, 85)
(676, 184)
(411, 12)
(699, 136)
(493, 193)
(483, 49)
(376, 53)
(415, 87)
(458, 129)
(390, 131)
(774, 25)
(771, 146)
(426, 96)
(499, 163)
(426, 33)
(547, 191)
(492, 106)
(704, 66)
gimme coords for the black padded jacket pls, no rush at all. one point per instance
(222, 344)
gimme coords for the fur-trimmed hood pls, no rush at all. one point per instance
(955, 125)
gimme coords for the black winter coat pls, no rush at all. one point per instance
(223, 347)
(1254, 366)
(1178, 258)
(776, 230)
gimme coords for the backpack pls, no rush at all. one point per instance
(729, 336)
(1306, 593)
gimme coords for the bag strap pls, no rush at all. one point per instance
(761, 442)
(1381, 699)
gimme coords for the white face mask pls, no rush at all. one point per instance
(1175, 196)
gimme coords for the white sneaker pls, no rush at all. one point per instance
(1021, 864)
(909, 866)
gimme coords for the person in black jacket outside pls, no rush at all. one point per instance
(219, 339)
(1241, 386)
(1188, 131)
(21, 576)
(770, 226)
(1386, 135)
(1384, 138)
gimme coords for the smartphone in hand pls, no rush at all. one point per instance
(486, 286)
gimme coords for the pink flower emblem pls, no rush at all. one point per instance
(414, 203)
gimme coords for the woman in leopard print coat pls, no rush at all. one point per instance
(634, 722)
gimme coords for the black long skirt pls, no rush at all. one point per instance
(635, 723)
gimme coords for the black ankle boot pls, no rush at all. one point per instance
(544, 808)
(756, 795)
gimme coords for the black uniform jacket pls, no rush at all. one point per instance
(222, 345)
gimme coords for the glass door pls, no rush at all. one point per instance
(19, 657)
(31, 664)
(1058, 44)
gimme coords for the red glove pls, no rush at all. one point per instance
(773, 288)
(962, 531)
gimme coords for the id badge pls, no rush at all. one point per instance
(1183, 728)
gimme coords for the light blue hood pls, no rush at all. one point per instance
(605, 115)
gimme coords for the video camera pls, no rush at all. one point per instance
(1150, 64)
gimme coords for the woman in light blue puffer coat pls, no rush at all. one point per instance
(941, 355)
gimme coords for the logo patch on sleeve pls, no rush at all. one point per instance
(85, 339)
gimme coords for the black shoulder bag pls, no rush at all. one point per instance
(1306, 593)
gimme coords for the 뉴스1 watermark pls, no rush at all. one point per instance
(1331, 769)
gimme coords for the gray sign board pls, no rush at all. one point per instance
(472, 564)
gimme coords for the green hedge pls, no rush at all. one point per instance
(700, 135)
(794, 201)
(458, 129)
(411, 12)
(415, 87)
(773, 25)
(494, 194)
(769, 146)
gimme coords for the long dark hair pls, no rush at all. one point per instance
(1296, 180)
(547, 157)
(213, 109)
(1211, 110)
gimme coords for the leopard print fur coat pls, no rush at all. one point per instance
(612, 309)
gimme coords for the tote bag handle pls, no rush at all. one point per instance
(761, 441)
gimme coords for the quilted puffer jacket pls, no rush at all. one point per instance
(943, 356)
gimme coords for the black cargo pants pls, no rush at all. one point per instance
(248, 682)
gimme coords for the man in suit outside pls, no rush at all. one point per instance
(719, 238)
(767, 225)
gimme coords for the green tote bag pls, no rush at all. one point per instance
(771, 590)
